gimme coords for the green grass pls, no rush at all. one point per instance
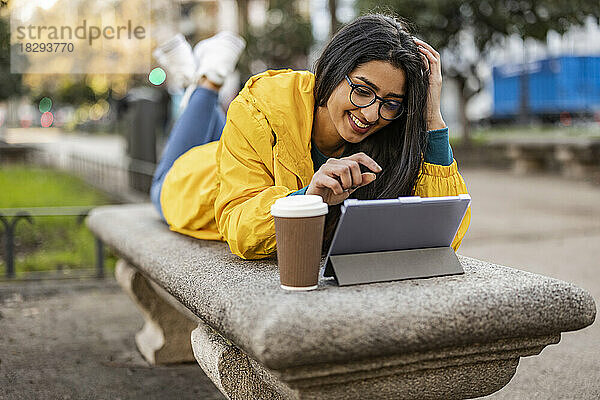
(50, 243)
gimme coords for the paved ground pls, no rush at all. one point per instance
(74, 340)
(549, 226)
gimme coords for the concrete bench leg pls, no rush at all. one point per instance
(165, 337)
(229, 368)
(456, 373)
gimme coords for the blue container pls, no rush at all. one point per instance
(562, 84)
(571, 91)
(507, 90)
(592, 79)
(543, 86)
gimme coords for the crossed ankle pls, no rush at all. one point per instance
(208, 84)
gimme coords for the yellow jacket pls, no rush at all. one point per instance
(224, 190)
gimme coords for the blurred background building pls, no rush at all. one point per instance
(489, 50)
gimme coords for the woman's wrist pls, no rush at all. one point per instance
(435, 123)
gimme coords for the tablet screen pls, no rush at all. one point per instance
(398, 224)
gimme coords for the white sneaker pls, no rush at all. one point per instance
(217, 56)
(177, 58)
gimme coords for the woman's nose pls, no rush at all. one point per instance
(371, 113)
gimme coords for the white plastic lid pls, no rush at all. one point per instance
(298, 206)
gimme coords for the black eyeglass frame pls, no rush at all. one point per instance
(381, 99)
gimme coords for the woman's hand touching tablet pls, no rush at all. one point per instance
(338, 178)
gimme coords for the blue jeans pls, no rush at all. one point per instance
(201, 122)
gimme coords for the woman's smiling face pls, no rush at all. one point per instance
(353, 124)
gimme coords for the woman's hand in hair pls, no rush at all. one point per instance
(433, 62)
(338, 178)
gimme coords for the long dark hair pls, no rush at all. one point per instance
(398, 147)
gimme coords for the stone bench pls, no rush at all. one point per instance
(441, 338)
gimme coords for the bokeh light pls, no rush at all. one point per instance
(104, 105)
(119, 88)
(83, 113)
(96, 112)
(98, 83)
(47, 4)
(47, 119)
(99, 110)
(157, 76)
(45, 105)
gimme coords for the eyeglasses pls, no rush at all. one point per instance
(363, 96)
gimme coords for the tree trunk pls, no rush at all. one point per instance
(335, 24)
(462, 109)
(524, 88)
(243, 17)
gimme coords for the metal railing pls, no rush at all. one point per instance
(10, 217)
(125, 179)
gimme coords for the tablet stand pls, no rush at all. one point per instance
(352, 269)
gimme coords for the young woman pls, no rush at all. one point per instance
(366, 125)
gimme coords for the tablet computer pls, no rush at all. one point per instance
(405, 223)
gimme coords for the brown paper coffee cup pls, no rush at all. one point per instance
(299, 225)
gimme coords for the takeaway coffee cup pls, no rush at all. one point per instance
(299, 224)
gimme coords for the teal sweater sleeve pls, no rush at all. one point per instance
(438, 148)
(301, 191)
(438, 152)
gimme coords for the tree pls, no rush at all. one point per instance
(284, 41)
(10, 84)
(334, 22)
(449, 24)
(242, 6)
